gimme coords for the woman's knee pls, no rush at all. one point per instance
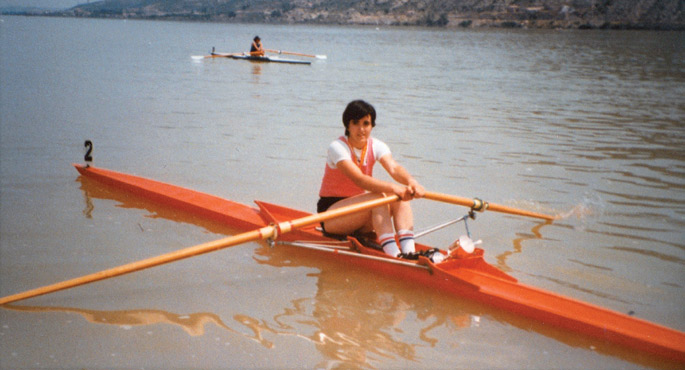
(401, 207)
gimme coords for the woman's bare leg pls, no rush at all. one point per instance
(377, 219)
(380, 219)
(402, 215)
(404, 224)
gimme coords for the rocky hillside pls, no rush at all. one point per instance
(618, 14)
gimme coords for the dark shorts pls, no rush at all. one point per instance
(324, 204)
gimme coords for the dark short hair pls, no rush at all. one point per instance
(356, 110)
(256, 38)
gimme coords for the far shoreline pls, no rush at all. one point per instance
(463, 24)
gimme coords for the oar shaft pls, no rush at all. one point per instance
(142, 264)
(339, 212)
(222, 55)
(476, 203)
(263, 233)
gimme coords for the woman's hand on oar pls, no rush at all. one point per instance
(266, 232)
(300, 54)
(479, 205)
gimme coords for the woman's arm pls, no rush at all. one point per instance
(401, 175)
(375, 185)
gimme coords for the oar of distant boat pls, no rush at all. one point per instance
(299, 54)
(214, 54)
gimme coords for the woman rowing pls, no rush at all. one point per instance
(348, 179)
(256, 49)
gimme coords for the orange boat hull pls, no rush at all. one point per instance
(463, 275)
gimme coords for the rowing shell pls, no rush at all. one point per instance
(269, 59)
(264, 59)
(460, 274)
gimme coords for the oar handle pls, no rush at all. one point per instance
(342, 211)
(478, 205)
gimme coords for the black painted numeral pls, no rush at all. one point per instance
(89, 150)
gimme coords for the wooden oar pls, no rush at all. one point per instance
(215, 55)
(480, 205)
(300, 54)
(223, 55)
(264, 233)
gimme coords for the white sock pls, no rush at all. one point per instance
(407, 241)
(389, 245)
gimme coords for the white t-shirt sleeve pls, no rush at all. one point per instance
(380, 149)
(337, 152)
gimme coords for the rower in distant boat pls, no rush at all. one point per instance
(256, 49)
(348, 179)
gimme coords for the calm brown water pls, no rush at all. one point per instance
(590, 125)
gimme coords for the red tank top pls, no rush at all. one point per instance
(336, 184)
